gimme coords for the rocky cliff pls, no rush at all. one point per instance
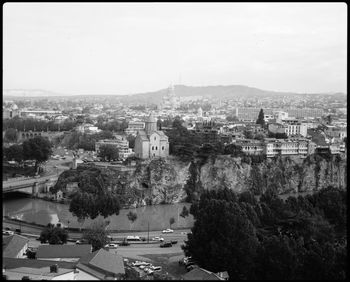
(171, 180)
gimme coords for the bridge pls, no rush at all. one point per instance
(28, 185)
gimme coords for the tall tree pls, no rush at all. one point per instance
(14, 152)
(132, 216)
(96, 235)
(108, 152)
(171, 221)
(261, 119)
(11, 135)
(38, 149)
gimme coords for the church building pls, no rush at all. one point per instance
(151, 143)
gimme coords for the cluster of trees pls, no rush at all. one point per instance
(299, 238)
(117, 126)
(38, 125)
(78, 140)
(37, 148)
(96, 235)
(53, 235)
(108, 152)
(93, 198)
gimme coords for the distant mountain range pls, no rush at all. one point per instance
(218, 91)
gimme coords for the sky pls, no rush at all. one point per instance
(125, 48)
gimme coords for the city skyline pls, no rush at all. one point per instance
(120, 48)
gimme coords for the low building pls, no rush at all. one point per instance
(101, 265)
(290, 129)
(71, 253)
(14, 246)
(17, 269)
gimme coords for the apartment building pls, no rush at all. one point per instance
(288, 147)
(290, 129)
(119, 142)
(251, 147)
(134, 127)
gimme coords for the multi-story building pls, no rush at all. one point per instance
(288, 147)
(251, 147)
(134, 127)
(120, 142)
(305, 112)
(289, 128)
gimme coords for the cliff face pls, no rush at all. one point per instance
(284, 175)
(164, 181)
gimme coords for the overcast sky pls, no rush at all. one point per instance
(123, 48)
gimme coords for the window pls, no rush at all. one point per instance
(156, 148)
(155, 138)
(163, 148)
(152, 147)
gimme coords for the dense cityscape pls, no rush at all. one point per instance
(203, 177)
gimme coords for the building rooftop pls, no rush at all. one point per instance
(102, 264)
(12, 245)
(63, 251)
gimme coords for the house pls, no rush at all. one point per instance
(16, 269)
(150, 143)
(63, 252)
(199, 273)
(14, 246)
(100, 265)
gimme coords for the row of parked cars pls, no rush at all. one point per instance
(189, 263)
(146, 266)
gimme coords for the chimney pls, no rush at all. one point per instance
(54, 268)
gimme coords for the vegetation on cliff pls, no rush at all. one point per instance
(300, 238)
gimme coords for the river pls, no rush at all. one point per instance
(157, 216)
(44, 212)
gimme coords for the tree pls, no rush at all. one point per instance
(108, 152)
(131, 140)
(14, 152)
(171, 221)
(261, 118)
(11, 135)
(185, 212)
(38, 149)
(223, 238)
(54, 235)
(96, 235)
(132, 216)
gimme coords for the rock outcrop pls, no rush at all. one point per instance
(161, 181)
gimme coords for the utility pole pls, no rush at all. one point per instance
(148, 232)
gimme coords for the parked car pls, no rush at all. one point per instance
(157, 239)
(173, 242)
(166, 245)
(168, 231)
(82, 241)
(7, 232)
(111, 246)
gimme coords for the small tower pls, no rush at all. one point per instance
(150, 124)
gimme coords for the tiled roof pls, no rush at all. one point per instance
(12, 245)
(200, 274)
(63, 251)
(10, 263)
(102, 263)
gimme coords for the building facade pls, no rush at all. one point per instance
(151, 143)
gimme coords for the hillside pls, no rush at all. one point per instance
(164, 181)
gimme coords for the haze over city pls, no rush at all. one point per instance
(126, 48)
